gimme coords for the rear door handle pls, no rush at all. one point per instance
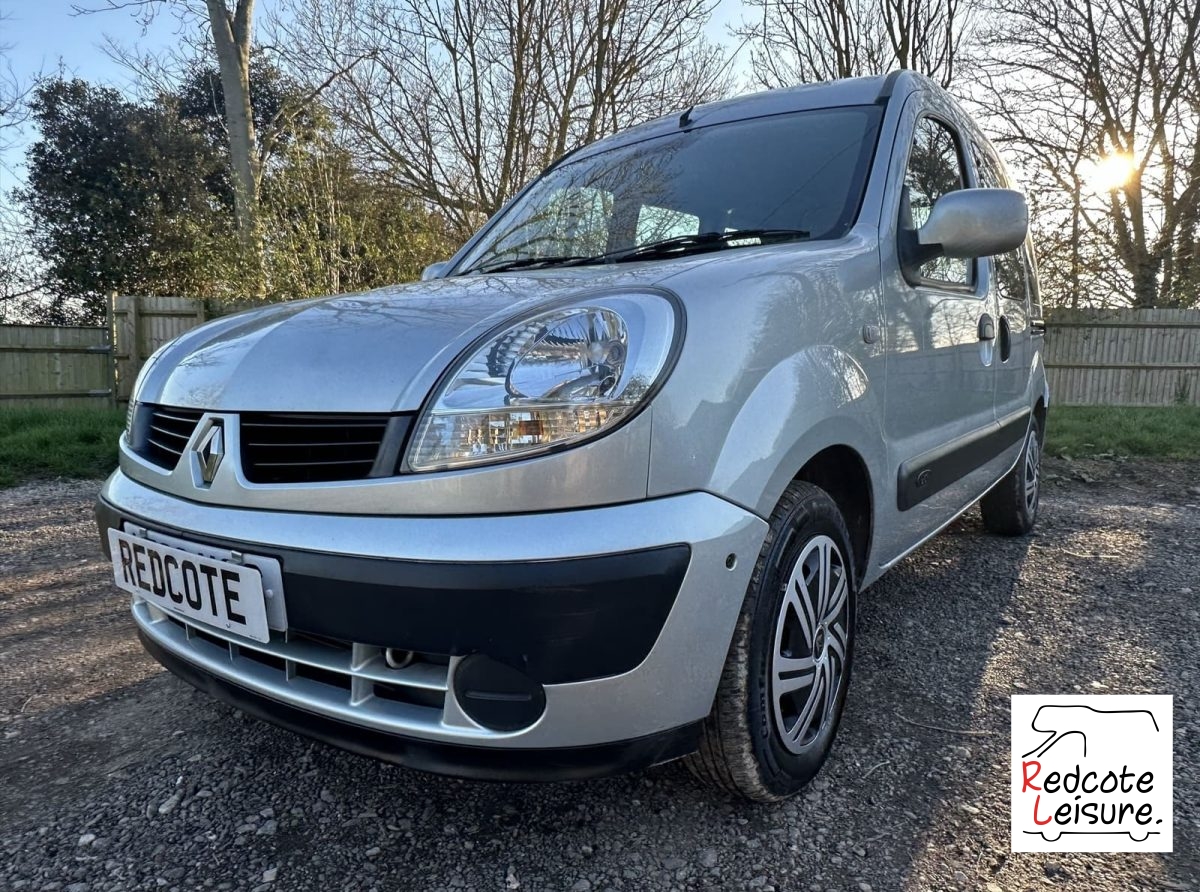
(987, 328)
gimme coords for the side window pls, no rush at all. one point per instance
(934, 168)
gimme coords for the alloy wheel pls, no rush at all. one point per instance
(808, 665)
(1033, 463)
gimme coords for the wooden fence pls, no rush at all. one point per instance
(140, 326)
(58, 366)
(55, 366)
(1124, 357)
(1093, 357)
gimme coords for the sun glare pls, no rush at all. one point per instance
(1109, 172)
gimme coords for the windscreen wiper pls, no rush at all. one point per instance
(527, 263)
(703, 241)
(677, 246)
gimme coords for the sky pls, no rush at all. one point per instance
(47, 35)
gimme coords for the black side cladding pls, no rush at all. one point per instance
(932, 471)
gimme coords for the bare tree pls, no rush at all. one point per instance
(232, 34)
(18, 280)
(800, 41)
(14, 90)
(1083, 87)
(460, 102)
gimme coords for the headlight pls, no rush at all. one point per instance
(554, 379)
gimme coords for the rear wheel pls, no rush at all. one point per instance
(784, 685)
(1010, 508)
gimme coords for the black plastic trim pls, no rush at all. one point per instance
(932, 471)
(557, 620)
(479, 763)
(889, 87)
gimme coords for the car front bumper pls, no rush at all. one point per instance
(621, 616)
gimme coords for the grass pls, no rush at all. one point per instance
(40, 443)
(1150, 432)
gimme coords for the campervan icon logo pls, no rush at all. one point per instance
(1092, 773)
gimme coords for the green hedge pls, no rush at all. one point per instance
(38, 443)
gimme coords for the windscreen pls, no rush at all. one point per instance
(801, 172)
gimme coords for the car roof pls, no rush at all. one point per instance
(805, 97)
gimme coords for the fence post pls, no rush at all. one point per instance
(135, 336)
(110, 333)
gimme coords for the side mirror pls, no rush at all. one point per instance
(971, 223)
(434, 270)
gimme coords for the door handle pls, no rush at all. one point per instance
(987, 328)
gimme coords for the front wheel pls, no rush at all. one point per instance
(1010, 508)
(783, 688)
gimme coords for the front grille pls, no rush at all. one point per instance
(282, 447)
(294, 448)
(321, 674)
(161, 433)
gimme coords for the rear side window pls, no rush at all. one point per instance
(1010, 270)
(1016, 272)
(991, 176)
(934, 168)
(1035, 295)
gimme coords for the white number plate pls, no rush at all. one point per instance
(223, 594)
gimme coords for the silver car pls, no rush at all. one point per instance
(603, 489)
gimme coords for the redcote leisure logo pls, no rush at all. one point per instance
(1091, 773)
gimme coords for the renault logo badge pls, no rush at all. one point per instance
(210, 451)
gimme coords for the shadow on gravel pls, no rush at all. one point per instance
(921, 724)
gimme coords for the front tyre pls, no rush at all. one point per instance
(1010, 507)
(783, 688)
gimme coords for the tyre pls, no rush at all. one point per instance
(1010, 507)
(784, 685)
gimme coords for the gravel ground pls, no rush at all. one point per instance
(114, 775)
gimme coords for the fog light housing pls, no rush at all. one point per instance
(496, 695)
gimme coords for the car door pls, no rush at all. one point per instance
(940, 317)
